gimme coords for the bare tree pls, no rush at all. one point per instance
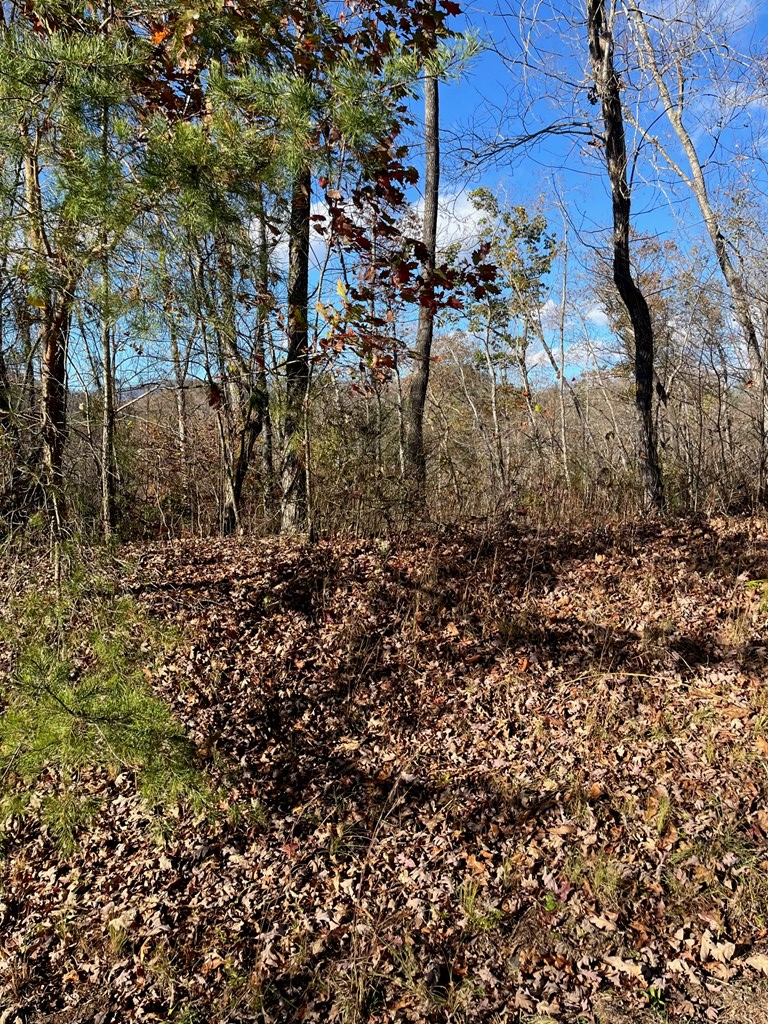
(607, 91)
(678, 46)
(293, 473)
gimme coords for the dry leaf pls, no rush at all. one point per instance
(759, 961)
(625, 966)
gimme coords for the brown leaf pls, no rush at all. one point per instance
(736, 711)
(476, 866)
(625, 966)
(759, 961)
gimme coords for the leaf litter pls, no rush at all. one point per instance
(453, 778)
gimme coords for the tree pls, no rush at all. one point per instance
(415, 458)
(59, 78)
(607, 92)
(675, 57)
(522, 250)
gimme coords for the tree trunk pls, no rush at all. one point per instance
(21, 496)
(108, 475)
(415, 456)
(294, 512)
(231, 371)
(497, 458)
(608, 91)
(182, 432)
(53, 394)
(262, 386)
(54, 335)
(246, 396)
(561, 369)
(179, 375)
(254, 417)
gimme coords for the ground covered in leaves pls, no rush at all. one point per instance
(451, 779)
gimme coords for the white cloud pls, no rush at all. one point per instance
(597, 316)
(534, 359)
(457, 220)
(550, 314)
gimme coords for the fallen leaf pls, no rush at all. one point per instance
(759, 961)
(625, 966)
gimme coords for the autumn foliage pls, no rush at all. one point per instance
(456, 778)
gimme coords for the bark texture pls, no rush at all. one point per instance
(246, 397)
(293, 512)
(53, 394)
(608, 94)
(415, 456)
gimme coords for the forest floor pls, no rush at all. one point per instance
(449, 779)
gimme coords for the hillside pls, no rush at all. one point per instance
(450, 778)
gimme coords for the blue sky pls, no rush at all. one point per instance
(564, 167)
(495, 99)
(492, 95)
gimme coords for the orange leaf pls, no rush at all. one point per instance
(475, 866)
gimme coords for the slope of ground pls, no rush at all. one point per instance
(454, 779)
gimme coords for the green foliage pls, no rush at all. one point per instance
(449, 60)
(523, 250)
(200, 171)
(655, 997)
(78, 699)
(521, 247)
(761, 587)
(64, 69)
(65, 814)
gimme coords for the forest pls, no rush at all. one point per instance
(383, 537)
